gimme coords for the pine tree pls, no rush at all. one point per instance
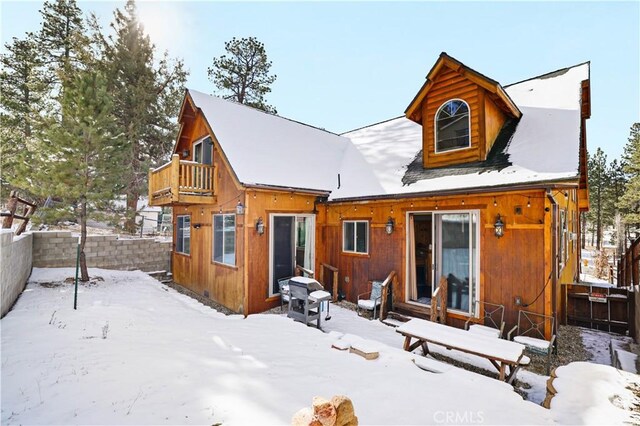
(598, 193)
(79, 154)
(630, 201)
(22, 97)
(243, 73)
(63, 41)
(146, 96)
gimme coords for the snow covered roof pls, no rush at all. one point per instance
(550, 123)
(265, 149)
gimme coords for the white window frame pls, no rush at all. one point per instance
(311, 243)
(355, 236)
(224, 234)
(474, 293)
(201, 143)
(435, 127)
(179, 231)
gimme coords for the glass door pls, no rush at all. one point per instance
(456, 257)
(292, 243)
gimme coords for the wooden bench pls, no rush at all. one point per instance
(507, 357)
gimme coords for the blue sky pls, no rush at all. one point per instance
(341, 66)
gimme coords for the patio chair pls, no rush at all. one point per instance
(492, 322)
(301, 307)
(530, 331)
(283, 285)
(371, 300)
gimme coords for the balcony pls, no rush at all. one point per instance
(182, 182)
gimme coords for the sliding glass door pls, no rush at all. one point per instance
(454, 239)
(291, 244)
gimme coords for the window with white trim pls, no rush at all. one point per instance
(355, 236)
(224, 239)
(452, 126)
(183, 235)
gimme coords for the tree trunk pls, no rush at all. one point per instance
(130, 213)
(84, 272)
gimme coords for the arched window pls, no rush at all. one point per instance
(452, 126)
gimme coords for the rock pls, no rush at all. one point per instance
(345, 414)
(324, 411)
(305, 417)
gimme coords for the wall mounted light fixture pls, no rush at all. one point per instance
(260, 226)
(239, 208)
(389, 226)
(498, 227)
(185, 153)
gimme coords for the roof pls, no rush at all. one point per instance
(550, 123)
(481, 80)
(266, 149)
(385, 158)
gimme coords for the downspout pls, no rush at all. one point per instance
(554, 260)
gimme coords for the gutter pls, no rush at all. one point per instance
(460, 191)
(554, 259)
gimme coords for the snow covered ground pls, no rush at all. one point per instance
(138, 352)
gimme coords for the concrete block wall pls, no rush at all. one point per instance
(58, 249)
(15, 266)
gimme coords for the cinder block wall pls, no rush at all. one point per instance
(15, 266)
(58, 249)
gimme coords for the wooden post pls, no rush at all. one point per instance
(12, 204)
(175, 177)
(150, 187)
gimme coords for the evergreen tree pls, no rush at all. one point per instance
(243, 73)
(62, 40)
(79, 154)
(22, 96)
(598, 193)
(630, 201)
(147, 97)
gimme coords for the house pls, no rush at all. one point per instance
(477, 182)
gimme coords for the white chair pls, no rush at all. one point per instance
(371, 300)
(283, 285)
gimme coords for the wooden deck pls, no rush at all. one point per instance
(182, 182)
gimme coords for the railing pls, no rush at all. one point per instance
(195, 178)
(179, 178)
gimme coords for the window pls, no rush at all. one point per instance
(355, 236)
(183, 238)
(452, 126)
(224, 239)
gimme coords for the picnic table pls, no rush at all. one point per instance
(507, 357)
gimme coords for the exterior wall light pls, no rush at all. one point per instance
(185, 153)
(389, 226)
(239, 208)
(499, 227)
(260, 226)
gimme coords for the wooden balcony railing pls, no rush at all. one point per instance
(181, 181)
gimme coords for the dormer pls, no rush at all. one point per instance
(461, 112)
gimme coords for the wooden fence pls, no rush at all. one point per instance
(602, 308)
(629, 266)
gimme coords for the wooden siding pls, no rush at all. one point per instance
(515, 265)
(197, 271)
(494, 120)
(261, 204)
(449, 84)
